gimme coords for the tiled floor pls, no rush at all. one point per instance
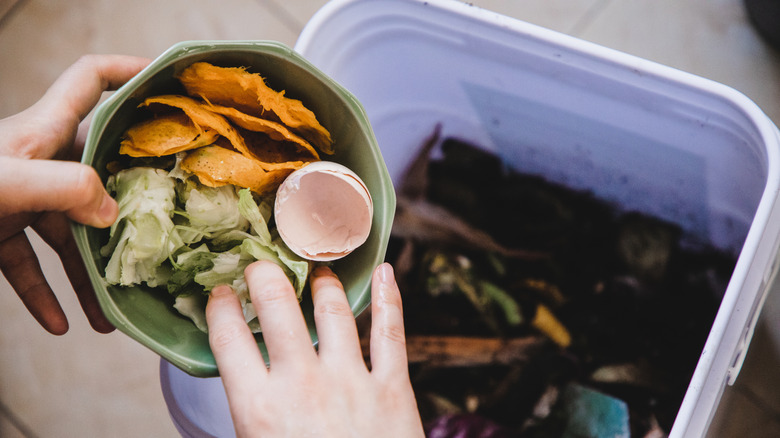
(85, 385)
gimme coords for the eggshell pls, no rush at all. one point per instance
(323, 211)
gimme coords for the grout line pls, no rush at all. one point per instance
(284, 16)
(17, 422)
(588, 17)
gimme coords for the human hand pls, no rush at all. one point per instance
(330, 394)
(41, 190)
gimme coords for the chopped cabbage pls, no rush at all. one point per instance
(176, 233)
(143, 236)
(296, 268)
(194, 308)
(210, 211)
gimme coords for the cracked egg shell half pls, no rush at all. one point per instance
(323, 211)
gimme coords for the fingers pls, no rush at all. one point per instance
(336, 328)
(49, 127)
(284, 329)
(238, 359)
(388, 340)
(54, 229)
(69, 187)
(285, 332)
(20, 266)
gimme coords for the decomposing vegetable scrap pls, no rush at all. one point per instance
(532, 309)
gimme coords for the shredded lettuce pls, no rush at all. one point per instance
(176, 234)
(194, 308)
(209, 211)
(296, 268)
(186, 266)
(143, 237)
(229, 269)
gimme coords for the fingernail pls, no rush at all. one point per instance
(108, 210)
(221, 290)
(322, 270)
(385, 272)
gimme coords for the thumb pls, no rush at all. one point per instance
(45, 185)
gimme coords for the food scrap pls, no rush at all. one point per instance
(197, 190)
(532, 309)
(343, 207)
(236, 88)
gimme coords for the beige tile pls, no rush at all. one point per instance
(759, 375)
(753, 402)
(745, 419)
(296, 13)
(45, 36)
(9, 428)
(6, 6)
(80, 384)
(741, 414)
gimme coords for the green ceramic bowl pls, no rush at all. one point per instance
(147, 314)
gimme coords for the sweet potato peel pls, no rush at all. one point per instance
(165, 135)
(232, 127)
(237, 88)
(217, 166)
(201, 116)
(275, 131)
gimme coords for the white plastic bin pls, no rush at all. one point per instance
(648, 137)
